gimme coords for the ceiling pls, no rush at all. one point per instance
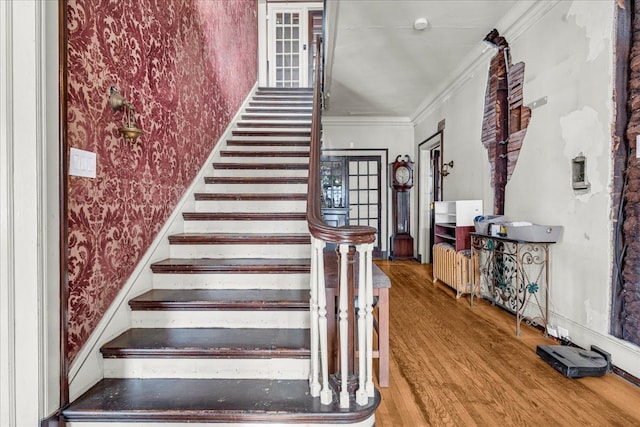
(378, 65)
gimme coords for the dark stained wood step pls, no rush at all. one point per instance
(275, 117)
(222, 299)
(232, 265)
(206, 400)
(255, 180)
(231, 153)
(240, 239)
(263, 143)
(288, 125)
(280, 104)
(209, 343)
(271, 132)
(244, 216)
(305, 110)
(250, 196)
(270, 166)
(283, 97)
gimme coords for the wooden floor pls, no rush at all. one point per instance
(452, 365)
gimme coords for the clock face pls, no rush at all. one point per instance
(402, 175)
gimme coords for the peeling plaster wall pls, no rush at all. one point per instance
(569, 58)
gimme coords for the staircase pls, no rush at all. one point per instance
(223, 336)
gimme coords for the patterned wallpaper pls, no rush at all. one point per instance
(186, 66)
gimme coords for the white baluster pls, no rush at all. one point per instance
(368, 253)
(326, 396)
(361, 395)
(344, 327)
(314, 385)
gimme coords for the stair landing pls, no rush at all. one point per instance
(215, 401)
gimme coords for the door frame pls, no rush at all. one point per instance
(425, 162)
(266, 50)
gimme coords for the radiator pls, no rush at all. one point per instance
(452, 268)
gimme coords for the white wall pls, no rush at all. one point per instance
(381, 133)
(568, 57)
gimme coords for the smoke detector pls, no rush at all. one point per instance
(420, 24)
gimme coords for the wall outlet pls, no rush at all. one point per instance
(562, 332)
(552, 331)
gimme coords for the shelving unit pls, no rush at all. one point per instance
(454, 222)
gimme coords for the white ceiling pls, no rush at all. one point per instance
(377, 64)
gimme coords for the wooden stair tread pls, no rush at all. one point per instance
(281, 109)
(270, 143)
(244, 216)
(228, 299)
(289, 124)
(219, 400)
(232, 153)
(240, 238)
(232, 265)
(255, 180)
(261, 166)
(209, 342)
(250, 196)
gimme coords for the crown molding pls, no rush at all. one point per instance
(518, 20)
(368, 121)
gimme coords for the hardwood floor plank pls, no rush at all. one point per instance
(456, 365)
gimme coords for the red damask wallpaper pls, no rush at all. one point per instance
(186, 66)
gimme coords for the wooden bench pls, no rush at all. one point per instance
(381, 286)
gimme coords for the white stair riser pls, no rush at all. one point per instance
(260, 319)
(366, 423)
(260, 159)
(256, 188)
(270, 138)
(230, 226)
(304, 173)
(285, 368)
(240, 251)
(266, 147)
(231, 281)
(251, 206)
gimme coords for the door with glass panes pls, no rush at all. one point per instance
(290, 45)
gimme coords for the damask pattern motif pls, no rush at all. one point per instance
(186, 65)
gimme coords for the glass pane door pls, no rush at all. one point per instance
(287, 49)
(364, 192)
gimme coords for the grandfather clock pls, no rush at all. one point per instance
(401, 182)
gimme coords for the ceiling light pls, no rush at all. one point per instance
(420, 24)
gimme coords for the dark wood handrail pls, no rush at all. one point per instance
(348, 234)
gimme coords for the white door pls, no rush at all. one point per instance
(428, 192)
(288, 50)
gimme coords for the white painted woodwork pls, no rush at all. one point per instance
(261, 172)
(231, 281)
(251, 205)
(261, 159)
(267, 319)
(240, 251)
(207, 368)
(245, 226)
(256, 188)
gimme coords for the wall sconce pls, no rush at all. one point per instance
(129, 129)
(445, 168)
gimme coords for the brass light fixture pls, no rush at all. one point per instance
(129, 128)
(445, 168)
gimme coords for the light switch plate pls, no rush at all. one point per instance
(82, 163)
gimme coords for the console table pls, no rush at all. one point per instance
(513, 274)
